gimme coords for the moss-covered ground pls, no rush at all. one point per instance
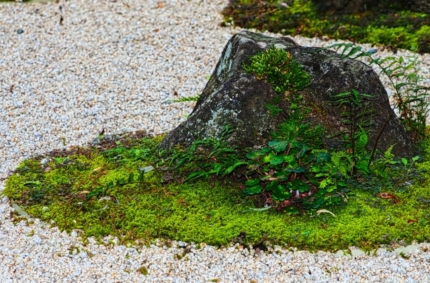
(109, 189)
(387, 23)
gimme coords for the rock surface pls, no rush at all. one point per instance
(235, 98)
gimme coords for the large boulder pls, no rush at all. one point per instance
(235, 98)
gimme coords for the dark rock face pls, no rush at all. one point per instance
(235, 98)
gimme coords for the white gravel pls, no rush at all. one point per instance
(69, 70)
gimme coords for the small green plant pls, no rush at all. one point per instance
(207, 157)
(292, 173)
(404, 256)
(410, 98)
(279, 68)
(356, 112)
(291, 177)
(143, 270)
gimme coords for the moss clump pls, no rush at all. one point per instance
(389, 25)
(211, 211)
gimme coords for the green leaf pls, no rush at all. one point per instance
(323, 157)
(234, 166)
(356, 98)
(253, 190)
(404, 161)
(280, 194)
(60, 159)
(255, 154)
(288, 158)
(362, 165)
(353, 51)
(131, 177)
(95, 193)
(302, 187)
(273, 159)
(324, 183)
(252, 155)
(304, 149)
(317, 203)
(415, 158)
(252, 182)
(272, 186)
(331, 188)
(278, 146)
(297, 170)
(37, 183)
(195, 175)
(342, 184)
(276, 160)
(298, 185)
(361, 143)
(217, 169)
(141, 176)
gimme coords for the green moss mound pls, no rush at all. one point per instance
(385, 24)
(100, 190)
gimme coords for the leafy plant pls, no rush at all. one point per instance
(356, 112)
(279, 68)
(206, 157)
(291, 177)
(292, 173)
(410, 98)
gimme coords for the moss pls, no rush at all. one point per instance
(387, 25)
(209, 211)
(143, 270)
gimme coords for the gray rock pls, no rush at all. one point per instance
(233, 97)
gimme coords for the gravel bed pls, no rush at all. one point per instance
(68, 70)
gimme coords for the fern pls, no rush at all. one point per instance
(273, 109)
(410, 98)
(361, 141)
(356, 112)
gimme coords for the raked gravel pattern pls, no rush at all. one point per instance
(69, 70)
